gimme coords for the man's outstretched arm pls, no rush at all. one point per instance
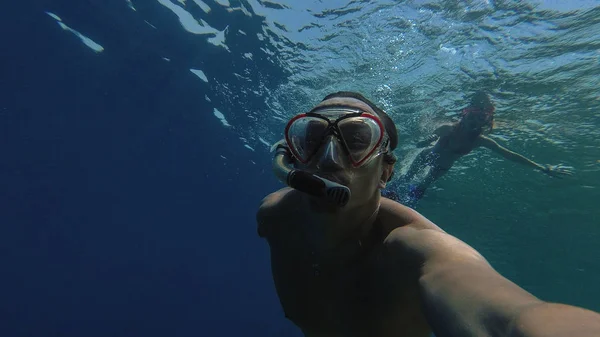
(464, 296)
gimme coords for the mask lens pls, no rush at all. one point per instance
(305, 136)
(361, 135)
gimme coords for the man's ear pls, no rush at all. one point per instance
(386, 174)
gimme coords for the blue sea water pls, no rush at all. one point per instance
(135, 135)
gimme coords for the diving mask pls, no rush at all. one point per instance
(360, 134)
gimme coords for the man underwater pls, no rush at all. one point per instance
(348, 262)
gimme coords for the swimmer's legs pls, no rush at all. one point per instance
(417, 164)
(417, 191)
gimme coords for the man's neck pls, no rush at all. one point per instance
(332, 227)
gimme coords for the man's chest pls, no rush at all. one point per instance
(358, 298)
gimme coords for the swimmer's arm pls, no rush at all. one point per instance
(441, 131)
(463, 295)
(508, 154)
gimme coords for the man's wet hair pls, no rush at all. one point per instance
(388, 123)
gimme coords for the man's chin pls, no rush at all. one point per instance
(323, 205)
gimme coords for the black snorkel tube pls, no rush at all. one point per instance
(308, 183)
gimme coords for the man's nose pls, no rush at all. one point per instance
(331, 156)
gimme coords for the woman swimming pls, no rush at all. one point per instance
(455, 140)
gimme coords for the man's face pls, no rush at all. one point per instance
(331, 161)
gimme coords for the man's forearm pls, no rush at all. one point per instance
(469, 298)
(556, 320)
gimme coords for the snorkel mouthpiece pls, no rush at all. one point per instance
(320, 187)
(306, 182)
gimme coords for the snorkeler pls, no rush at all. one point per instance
(453, 141)
(347, 262)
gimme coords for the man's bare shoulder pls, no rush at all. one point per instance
(411, 234)
(274, 199)
(395, 215)
(273, 207)
(422, 246)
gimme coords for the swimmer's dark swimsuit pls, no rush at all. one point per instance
(416, 192)
(461, 151)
